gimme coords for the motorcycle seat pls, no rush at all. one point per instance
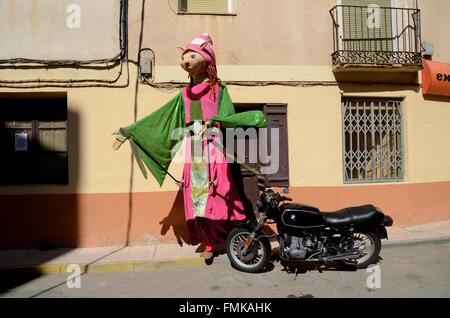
(361, 217)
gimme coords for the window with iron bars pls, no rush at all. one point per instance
(372, 144)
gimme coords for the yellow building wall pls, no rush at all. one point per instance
(314, 130)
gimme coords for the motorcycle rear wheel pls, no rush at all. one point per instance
(258, 254)
(369, 245)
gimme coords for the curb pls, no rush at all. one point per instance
(414, 242)
(105, 266)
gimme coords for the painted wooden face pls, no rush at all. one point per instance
(193, 63)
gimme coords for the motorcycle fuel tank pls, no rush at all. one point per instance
(301, 216)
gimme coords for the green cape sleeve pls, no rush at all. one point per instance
(227, 117)
(153, 138)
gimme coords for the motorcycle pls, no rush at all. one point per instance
(351, 236)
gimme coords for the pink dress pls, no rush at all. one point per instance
(211, 212)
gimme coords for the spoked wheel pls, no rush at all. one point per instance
(369, 246)
(257, 254)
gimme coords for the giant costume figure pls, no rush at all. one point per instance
(211, 200)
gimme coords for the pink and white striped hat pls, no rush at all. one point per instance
(203, 45)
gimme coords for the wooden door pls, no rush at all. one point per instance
(247, 182)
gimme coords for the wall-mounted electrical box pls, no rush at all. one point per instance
(146, 66)
(428, 50)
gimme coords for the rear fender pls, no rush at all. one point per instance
(381, 232)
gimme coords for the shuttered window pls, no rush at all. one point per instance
(367, 25)
(33, 134)
(206, 6)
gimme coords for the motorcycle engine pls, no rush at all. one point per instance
(296, 247)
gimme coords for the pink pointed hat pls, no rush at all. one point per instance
(207, 51)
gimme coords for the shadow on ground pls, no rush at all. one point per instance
(12, 278)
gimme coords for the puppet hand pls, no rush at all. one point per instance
(117, 141)
(208, 125)
(180, 184)
(203, 132)
(212, 184)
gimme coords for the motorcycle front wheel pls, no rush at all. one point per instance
(257, 254)
(369, 247)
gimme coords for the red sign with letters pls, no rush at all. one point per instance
(436, 78)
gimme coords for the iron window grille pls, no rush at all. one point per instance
(372, 140)
(376, 35)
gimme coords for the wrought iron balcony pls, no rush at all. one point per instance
(374, 35)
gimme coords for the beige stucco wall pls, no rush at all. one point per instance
(45, 29)
(430, 137)
(263, 32)
(435, 22)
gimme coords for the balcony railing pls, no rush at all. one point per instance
(376, 35)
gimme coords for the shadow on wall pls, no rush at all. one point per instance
(33, 225)
(362, 81)
(49, 159)
(176, 220)
(432, 98)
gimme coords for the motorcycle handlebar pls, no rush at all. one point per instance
(273, 199)
(285, 198)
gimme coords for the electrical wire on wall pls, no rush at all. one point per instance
(118, 59)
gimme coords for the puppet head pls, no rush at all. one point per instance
(199, 60)
(202, 45)
(193, 63)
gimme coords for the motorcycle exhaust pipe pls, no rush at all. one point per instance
(348, 255)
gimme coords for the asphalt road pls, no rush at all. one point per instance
(420, 270)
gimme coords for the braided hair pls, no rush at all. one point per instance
(213, 79)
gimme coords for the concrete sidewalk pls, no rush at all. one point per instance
(115, 258)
